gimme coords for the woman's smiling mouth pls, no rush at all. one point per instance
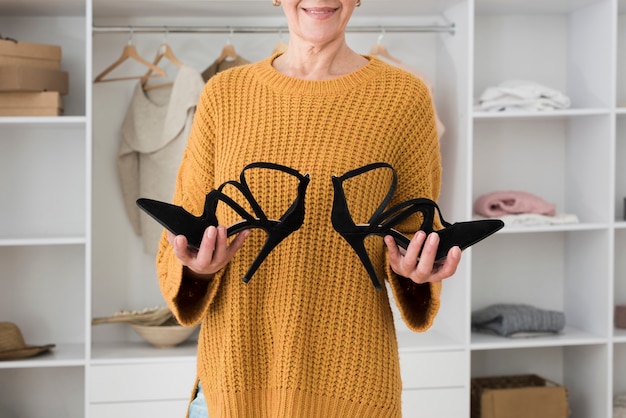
(319, 12)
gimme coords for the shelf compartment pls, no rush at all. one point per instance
(566, 162)
(67, 31)
(558, 271)
(44, 181)
(42, 290)
(581, 369)
(573, 57)
(57, 391)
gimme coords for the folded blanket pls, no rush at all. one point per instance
(502, 203)
(510, 319)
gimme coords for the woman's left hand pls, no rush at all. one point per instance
(422, 268)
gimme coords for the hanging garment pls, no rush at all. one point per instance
(154, 135)
(221, 65)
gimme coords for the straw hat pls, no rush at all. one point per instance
(12, 345)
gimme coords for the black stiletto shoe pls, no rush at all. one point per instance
(180, 222)
(381, 223)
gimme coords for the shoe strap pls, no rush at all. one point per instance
(402, 211)
(373, 220)
(387, 218)
(228, 201)
(244, 189)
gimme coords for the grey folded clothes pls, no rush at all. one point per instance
(517, 320)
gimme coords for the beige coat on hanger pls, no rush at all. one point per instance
(154, 135)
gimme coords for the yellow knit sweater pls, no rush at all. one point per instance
(308, 336)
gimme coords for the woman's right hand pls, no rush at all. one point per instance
(214, 253)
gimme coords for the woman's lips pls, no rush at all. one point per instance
(319, 12)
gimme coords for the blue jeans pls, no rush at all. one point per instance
(198, 408)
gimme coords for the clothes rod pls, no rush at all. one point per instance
(450, 28)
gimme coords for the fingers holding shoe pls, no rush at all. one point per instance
(418, 261)
(215, 251)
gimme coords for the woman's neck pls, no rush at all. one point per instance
(311, 62)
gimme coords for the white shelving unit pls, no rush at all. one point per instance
(68, 253)
(45, 236)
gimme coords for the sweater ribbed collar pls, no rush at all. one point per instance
(285, 84)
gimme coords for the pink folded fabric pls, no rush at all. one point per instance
(512, 202)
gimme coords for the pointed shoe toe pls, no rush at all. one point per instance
(465, 234)
(175, 219)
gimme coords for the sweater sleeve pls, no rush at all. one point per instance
(190, 299)
(419, 175)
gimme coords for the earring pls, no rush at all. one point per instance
(276, 3)
(358, 3)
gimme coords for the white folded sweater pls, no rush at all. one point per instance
(522, 95)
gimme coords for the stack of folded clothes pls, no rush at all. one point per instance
(516, 207)
(517, 320)
(522, 95)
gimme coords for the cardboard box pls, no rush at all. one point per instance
(22, 78)
(518, 396)
(536, 402)
(47, 103)
(29, 54)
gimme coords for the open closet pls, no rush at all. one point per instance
(69, 253)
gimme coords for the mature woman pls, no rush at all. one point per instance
(308, 336)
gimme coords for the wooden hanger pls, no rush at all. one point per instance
(380, 50)
(228, 51)
(129, 52)
(165, 51)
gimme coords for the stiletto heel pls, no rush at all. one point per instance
(381, 223)
(180, 222)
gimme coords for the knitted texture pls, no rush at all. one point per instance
(308, 336)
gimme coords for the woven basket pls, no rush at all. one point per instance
(482, 384)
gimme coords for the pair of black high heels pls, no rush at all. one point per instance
(381, 223)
